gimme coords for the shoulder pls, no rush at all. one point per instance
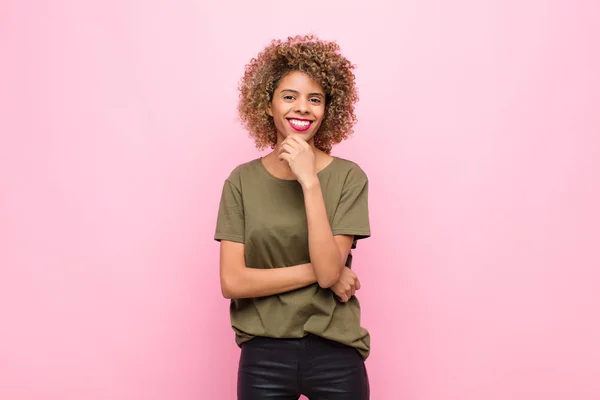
(242, 171)
(352, 173)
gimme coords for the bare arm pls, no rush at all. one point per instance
(328, 253)
(239, 281)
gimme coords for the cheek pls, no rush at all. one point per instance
(279, 109)
(321, 114)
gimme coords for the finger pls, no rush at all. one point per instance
(297, 140)
(285, 156)
(304, 143)
(286, 147)
(357, 284)
(291, 140)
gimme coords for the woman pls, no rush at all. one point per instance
(287, 223)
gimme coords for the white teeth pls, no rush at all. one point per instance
(299, 123)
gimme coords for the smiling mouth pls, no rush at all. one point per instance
(299, 124)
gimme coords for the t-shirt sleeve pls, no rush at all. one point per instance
(230, 218)
(352, 214)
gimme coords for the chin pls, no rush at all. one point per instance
(306, 138)
(304, 135)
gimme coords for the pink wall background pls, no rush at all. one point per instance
(479, 128)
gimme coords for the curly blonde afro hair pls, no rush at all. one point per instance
(322, 61)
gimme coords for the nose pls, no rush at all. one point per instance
(302, 105)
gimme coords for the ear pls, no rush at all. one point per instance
(270, 109)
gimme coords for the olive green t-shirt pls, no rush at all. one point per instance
(268, 216)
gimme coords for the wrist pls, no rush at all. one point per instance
(311, 183)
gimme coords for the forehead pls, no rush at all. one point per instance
(299, 81)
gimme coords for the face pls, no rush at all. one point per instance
(298, 107)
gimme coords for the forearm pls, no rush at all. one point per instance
(325, 255)
(253, 282)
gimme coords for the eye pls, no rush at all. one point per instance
(288, 97)
(315, 100)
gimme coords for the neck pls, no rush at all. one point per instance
(280, 167)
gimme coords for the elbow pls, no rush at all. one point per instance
(227, 294)
(326, 284)
(327, 281)
(330, 278)
(229, 289)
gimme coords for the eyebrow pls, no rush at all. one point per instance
(310, 94)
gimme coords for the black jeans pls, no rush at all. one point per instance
(284, 369)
